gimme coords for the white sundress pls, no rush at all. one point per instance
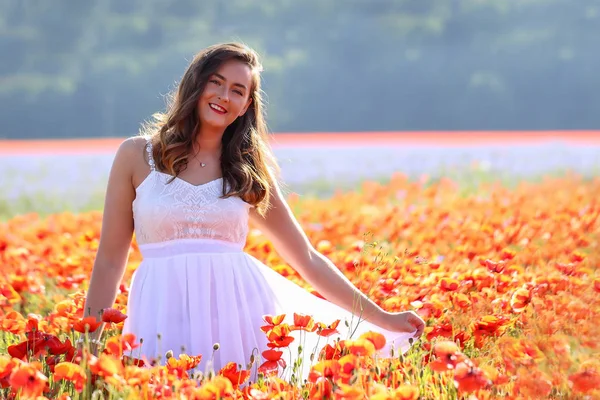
(196, 286)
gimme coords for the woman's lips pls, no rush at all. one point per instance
(217, 108)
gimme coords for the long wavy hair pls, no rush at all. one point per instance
(247, 163)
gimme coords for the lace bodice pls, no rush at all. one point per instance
(165, 211)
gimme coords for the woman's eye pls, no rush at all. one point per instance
(239, 92)
(216, 82)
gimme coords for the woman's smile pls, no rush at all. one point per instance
(217, 108)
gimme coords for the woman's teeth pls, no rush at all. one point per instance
(217, 108)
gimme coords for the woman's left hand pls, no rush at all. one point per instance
(406, 321)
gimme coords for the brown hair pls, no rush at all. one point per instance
(246, 160)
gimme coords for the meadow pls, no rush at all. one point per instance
(495, 246)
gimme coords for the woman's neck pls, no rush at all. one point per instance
(208, 143)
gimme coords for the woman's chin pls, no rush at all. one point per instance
(214, 123)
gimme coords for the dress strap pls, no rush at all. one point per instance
(149, 151)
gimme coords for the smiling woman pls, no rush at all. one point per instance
(219, 93)
(188, 190)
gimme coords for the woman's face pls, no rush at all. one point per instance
(226, 95)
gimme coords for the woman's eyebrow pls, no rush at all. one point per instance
(235, 84)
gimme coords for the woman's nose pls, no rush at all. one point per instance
(224, 93)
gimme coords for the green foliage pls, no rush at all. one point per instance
(100, 67)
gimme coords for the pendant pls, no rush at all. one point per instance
(202, 165)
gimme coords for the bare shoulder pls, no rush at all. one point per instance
(132, 148)
(131, 159)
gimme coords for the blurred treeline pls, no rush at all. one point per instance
(100, 67)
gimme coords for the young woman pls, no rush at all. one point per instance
(188, 188)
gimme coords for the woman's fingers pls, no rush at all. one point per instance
(417, 323)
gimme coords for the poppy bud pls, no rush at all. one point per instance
(198, 375)
(216, 346)
(169, 354)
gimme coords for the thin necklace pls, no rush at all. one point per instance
(201, 163)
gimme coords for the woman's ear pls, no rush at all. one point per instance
(246, 107)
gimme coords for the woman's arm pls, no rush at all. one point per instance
(283, 230)
(117, 232)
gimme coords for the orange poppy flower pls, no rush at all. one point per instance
(349, 392)
(494, 266)
(38, 343)
(137, 376)
(72, 373)
(273, 361)
(74, 355)
(33, 321)
(376, 338)
(274, 320)
(87, 324)
(360, 347)
(327, 330)
(218, 387)
(448, 356)
(52, 361)
(587, 379)
(577, 256)
(348, 365)
(105, 365)
(328, 369)
(236, 377)
(117, 345)
(19, 350)
(532, 383)
(490, 325)
(279, 336)
(405, 392)
(321, 388)
(7, 365)
(468, 378)
(13, 322)
(9, 293)
(183, 363)
(55, 346)
(449, 285)
(461, 300)
(28, 378)
(111, 315)
(304, 323)
(520, 299)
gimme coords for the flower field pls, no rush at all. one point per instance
(54, 176)
(507, 280)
